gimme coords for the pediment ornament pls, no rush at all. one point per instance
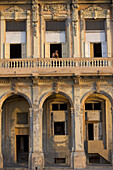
(95, 12)
(54, 9)
(14, 9)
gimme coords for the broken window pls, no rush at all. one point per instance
(59, 128)
(15, 26)
(55, 26)
(95, 24)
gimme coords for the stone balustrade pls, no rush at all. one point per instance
(54, 63)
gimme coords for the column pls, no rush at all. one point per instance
(73, 136)
(2, 55)
(112, 137)
(28, 39)
(37, 155)
(75, 28)
(1, 157)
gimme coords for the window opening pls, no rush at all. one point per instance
(94, 159)
(88, 106)
(59, 160)
(59, 128)
(90, 132)
(97, 50)
(63, 106)
(15, 51)
(15, 26)
(97, 106)
(55, 26)
(55, 107)
(55, 51)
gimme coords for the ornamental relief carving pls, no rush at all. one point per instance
(95, 12)
(15, 13)
(74, 17)
(54, 9)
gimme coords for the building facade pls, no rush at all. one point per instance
(56, 109)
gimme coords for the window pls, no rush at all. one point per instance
(90, 132)
(22, 118)
(15, 51)
(15, 26)
(95, 24)
(55, 26)
(59, 128)
(59, 160)
(60, 106)
(54, 47)
(95, 50)
(93, 106)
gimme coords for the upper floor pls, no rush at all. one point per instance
(56, 34)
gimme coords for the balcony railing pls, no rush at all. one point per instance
(56, 63)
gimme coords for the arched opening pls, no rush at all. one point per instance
(57, 132)
(15, 131)
(98, 129)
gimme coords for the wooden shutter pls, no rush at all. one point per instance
(47, 50)
(23, 48)
(64, 50)
(104, 49)
(7, 51)
(87, 49)
(96, 131)
(91, 50)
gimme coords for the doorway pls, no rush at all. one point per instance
(22, 144)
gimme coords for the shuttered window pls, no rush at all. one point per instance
(15, 26)
(55, 26)
(95, 24)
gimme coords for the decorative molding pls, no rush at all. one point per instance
(56, 87)
(54, 9)
(97, 86)
(15, 13)
(35, 14)
(95, 12)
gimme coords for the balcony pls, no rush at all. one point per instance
(62, 66)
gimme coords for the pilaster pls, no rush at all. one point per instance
(1, 157)
(35, 24)
(75, 28)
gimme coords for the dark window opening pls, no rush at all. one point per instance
(88, 106)
(63, 106)
(53, 48)
(95, 24)
(15, 51)
(90, 132)
(59, 160)
(59, 128)
(97, 50)
(22, 118)
(15, 26)
(54, 107)
(22, 142)
(55, 26)
(94, 159)
(97, 106)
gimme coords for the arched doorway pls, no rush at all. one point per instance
(98, 129)
(15, 131)
(57, 132)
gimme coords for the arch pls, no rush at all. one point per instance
(92, 92)
(8, 94)
(46, 95)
